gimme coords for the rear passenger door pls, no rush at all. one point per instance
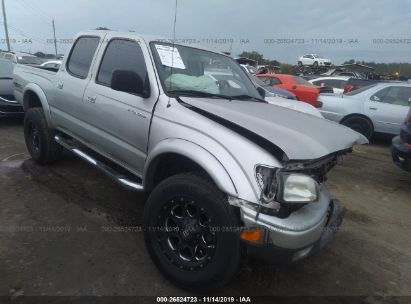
(388, 108)
(69, 84)
(118, 121)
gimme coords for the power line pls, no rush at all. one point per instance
(5, 26)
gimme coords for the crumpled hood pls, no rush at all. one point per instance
(301, 136)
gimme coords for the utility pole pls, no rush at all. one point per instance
(55, 40)
(5, 26)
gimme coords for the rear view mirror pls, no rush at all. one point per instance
(129, 82)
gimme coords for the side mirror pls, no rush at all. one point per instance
(129, 82)
(261, 91)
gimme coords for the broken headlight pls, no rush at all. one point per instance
(297, 188)
(267, 181)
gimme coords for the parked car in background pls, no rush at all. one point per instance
(8, 104)
(381, 108)
(401, 145)
(313, 60)
(20, 58)
(304, 90)
(337, 83)
(275, 91)
(227, 173)
(52, 64)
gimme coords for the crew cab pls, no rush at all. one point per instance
(228, 174)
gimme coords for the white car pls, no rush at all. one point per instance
(52, 64)
(314, 61)
(335, 82)
(381, 108)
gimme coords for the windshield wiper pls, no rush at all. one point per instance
(195, 93)
(247, 97)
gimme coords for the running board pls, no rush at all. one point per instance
(126, 180)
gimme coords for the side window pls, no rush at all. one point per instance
(379, 95)
(400, 96)
(275, 81)
(122, 55)
(8, 56)
(82, 55)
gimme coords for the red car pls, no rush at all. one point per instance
(304, 90)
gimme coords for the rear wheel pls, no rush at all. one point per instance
(40, 138)
(192, 233)
(360, 124)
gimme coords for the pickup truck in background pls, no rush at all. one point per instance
(228, 173)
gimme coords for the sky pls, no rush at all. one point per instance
(369, 30)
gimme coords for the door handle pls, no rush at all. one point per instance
(60, 85)
(373, 108)
(91, 99)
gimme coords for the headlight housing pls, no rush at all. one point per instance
(297, 188)
(286, 187)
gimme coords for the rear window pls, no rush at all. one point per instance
(360, 90)
(81, 56)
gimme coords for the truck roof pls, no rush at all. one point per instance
(148, 39)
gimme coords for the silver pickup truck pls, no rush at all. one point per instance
(228, 173)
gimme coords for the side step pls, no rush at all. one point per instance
(119, 174)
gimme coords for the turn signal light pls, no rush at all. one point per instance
(251, 235)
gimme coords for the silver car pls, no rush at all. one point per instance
(380, 108)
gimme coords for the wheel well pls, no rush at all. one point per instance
(31, 100)
(170, 164)
(357, 115)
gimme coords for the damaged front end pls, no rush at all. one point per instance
(295, 185)
(296, 215)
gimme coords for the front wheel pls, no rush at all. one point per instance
(300, 64)
(192, 233)
(360, 124)
(315, 65)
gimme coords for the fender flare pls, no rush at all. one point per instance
(197, 154)
(32, 87)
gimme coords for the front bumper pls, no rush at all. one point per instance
(9, 107)
(302, 234)
(401, 154)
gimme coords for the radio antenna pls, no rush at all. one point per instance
(172, 50)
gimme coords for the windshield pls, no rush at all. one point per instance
(199, 71)
(300, 80)
(28, 60)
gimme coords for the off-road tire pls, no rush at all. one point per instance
(39, 138)
(212, 268)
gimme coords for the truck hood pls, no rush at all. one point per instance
(299, 135)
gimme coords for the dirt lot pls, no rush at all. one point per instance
(56, 233)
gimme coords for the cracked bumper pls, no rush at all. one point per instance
(302, 234)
